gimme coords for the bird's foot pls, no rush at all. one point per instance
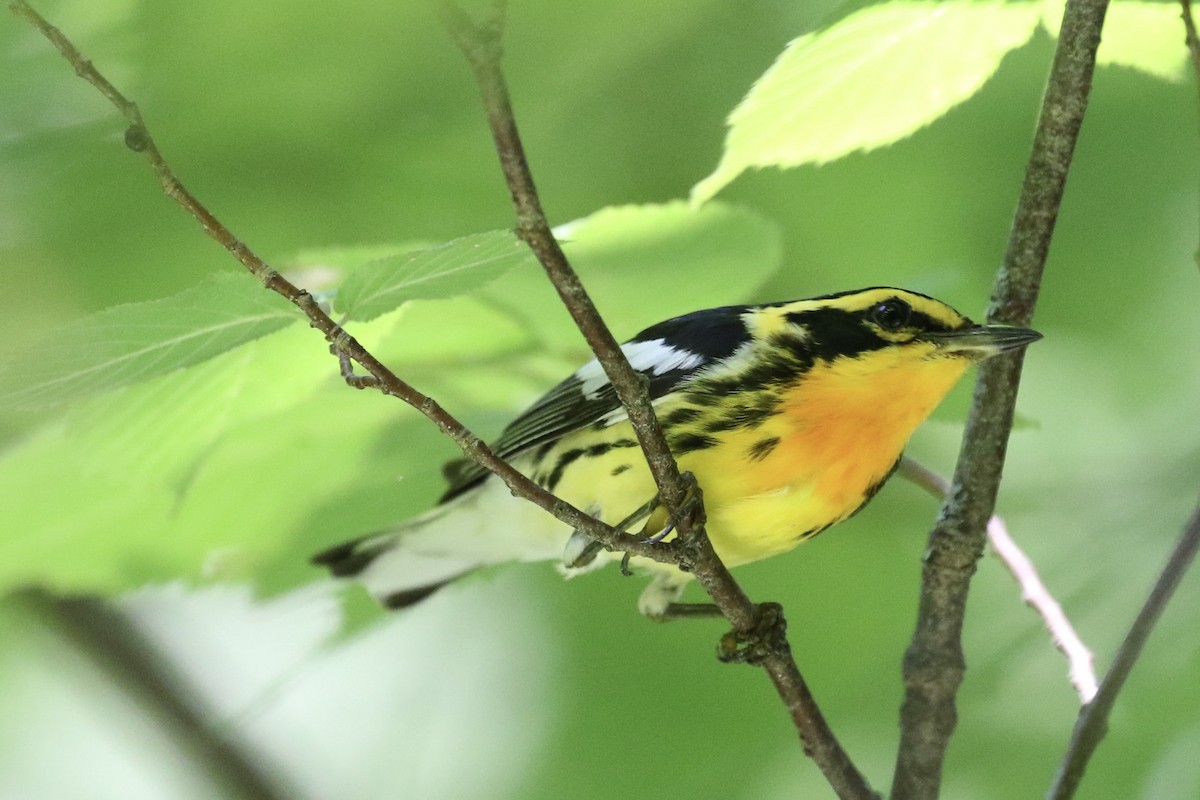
(766, 638)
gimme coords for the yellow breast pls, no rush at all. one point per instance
(840, 431)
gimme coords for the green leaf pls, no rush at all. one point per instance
(131, 343)
(207, 472)
(319, 269)
(1147, 37)
(643, 264)
(441, 271)
(240, 467)
(868, 80)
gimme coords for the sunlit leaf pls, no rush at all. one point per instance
(866, 81)
(132, 489)
(238, 467)
(1145, 36)
(130, 343)
(442, 271)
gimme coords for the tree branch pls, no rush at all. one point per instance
(118, 648)
(691, 550)
(481, 44)
(1092, 723)
(1079, 658)
(138, 139)
(934, 663)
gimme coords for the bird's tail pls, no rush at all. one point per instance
(406, 564)
(396, 574)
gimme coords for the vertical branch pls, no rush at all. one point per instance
(481, 44)
(691, 551)
(343, 345)
(934, 663)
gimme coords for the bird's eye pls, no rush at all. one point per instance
(891, 315)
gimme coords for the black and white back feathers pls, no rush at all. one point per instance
(668, 354)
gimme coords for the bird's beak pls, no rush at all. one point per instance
(982, 341)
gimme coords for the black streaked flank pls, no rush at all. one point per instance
(623, 468)
(565, 460)
(874, 488)
(712, 334)
(701, 396)
(774, 368)
(688, 442)
(680, 416)
(571, 456)
(743, 416)
(761, 449)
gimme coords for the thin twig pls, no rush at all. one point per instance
(1035, 594)
(118, 648)
(1081, 669)
(691, 551)
(481, 44)
(1092, 723)
(138, 138)
(934, 664)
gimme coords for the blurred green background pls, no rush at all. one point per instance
(312, 126)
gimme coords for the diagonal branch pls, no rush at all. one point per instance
(691, 551)
(138, 139)
(1033, 591)
(481, 44)
(934, 663)
(1092, 723)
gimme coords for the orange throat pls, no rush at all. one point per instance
(848, 421)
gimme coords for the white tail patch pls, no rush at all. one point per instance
(485, 526)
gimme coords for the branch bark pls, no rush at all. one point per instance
(138, 139)
(691, 550)
(1079, 658)
(481, 44)
(1092, 723)
(934, 663)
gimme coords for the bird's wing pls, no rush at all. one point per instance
(668, 354)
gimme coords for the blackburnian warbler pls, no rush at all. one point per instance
(790, 416)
